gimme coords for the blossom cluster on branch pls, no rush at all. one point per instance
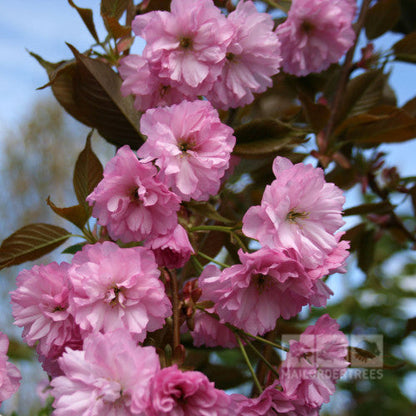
(109, 326)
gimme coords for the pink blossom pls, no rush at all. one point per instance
(316, 34)
(191, 146)
(210, 332)
(253, 56)
(109, 377)
(271, 402)
(188, 43)
(172, 250)
(131, 202)
(40, 306)
(117, 288)
(149, 89)
(267, 285)
(178, 393)
(9, 374)
(315, 362)
(298, 210)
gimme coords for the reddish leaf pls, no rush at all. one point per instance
(366, 250)
(410, 107)
(30, 243)
(77, 214)
(115, 28)
(384, 124)
(317, 115)
(88, 172)
(405, 49)
(86, 16)
(150, 5)
(97, 91)
(381, 17)
(114, 8)
(354, 235)
(376, 208)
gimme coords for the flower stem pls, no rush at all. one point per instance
(212, 228)
(250, 367)
(223, 265)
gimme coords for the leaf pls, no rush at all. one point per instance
(363, 93)
(407, 22)
(384, 124)
(410, 326)
(77, 214)
(115, 28)
(206, 210)
(366, 250)
(74, 248)
(264, 137)
(30, 243)
(354, 235)
(150, 5)
(376, 208)
(225, 377)
(87, 18)
(405, 49)
(381, 17)
(410, 107)
(88, 172)
(96, 89)
(317, 115)
(114, 8)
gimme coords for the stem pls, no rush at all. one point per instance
(275, 5)
(198, 266)
(223, 265)
(265, 341)
(239, 241)
(262, 357)
(212, 228)
(345, 73)
(175, 309)
(250, 367)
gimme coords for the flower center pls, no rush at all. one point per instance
(307, 26)
(293, 215)
(163, 90)
(58, 308)
(230, 56)
(115, 296)
(185, 42)
(261, 281)
(134, 195)
(185, 145)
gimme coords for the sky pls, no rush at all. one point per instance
(43, 26)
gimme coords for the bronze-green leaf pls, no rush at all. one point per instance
(86, 16)
(375, 208)
(88, 172)
(381, 17)
(114, 8)
(77, 214)
(97, 91)
(30, 243)
(405, 49)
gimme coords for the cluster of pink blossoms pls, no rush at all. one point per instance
(89, 320)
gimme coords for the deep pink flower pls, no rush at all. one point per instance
(187, 44)
(210, 332)
(9, 374)
(117, 288)
(40, 306)
(271, 402)
(148, 88)
(298, 210)
(109, 377)
(267, 285)
(316, 34)
(186, 393)
(172, 250)
(253, 56)
(131, 202)
(315, 362)
(191, 146)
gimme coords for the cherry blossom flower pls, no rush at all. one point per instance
(148, 88)
(9, 374)
(172, 250)
(210, 332)
(316, 34)
(315, 362)
(298, 210)
(191, 146)
(253, 56)
(110, 376)
(190, 393)
(251, 296)
(187, 45)
(40, 306)
(117, 288)
(131, 202)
